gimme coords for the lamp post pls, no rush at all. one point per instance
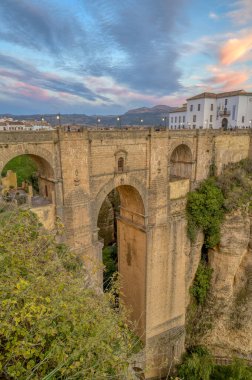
(205, 123)
(59, 119)
(250, 121)
(189, 125)
(141, 121)
(118, 119)
(164, 120)
(98, 120)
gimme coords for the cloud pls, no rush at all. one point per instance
(225, 80)
(26, 73)
(235, 49)
(214, 16)
(131, 41)
(241, 12)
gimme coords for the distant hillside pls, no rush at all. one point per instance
(150, 116)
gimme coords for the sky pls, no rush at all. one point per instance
(107, 56)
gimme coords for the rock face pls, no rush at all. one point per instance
(107, 218)
(230, 306)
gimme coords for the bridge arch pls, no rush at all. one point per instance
(9, 151)
(181, 162)
(44, 171)
(131, 245)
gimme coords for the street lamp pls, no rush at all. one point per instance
(118, 119)
(164, 119)
(58, 118)
(141, 121)
(189, 125)
(205, 123)
(42, 119)
(250, 121)
(98, 120)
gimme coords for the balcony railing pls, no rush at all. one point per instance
(224, 112)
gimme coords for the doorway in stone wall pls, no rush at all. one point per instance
(224, 123)
(121, 223)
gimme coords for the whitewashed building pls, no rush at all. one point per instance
(209, 110)
(8, 124)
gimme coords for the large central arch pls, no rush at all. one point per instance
(131, 242)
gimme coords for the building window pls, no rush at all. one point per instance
(172, 119)
(198, 107)
(194, 126)
(211, 108)
(175, 119)
(233, 112)
(210, 125)
(194, 118)
(120, 164)
(243, 119)
(179, 119)
(191, 107)
(183, 119)
(226, 101)
(211, 118)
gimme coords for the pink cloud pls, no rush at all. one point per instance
(222, 80)
(235, 49)
(30, 91)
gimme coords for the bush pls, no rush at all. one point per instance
(197, 364)
(52, 325)
(201, 283)
(205, 211)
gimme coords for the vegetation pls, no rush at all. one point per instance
(216, 196)
(52, 325)
(198, 364)
(109, 255)
(201, 283)
(24, 167)
(205, 210)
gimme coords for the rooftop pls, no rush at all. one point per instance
(220, 95)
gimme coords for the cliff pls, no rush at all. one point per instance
(224, 324)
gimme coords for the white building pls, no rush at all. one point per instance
(209, 110)
(178, 118)
(8, 124)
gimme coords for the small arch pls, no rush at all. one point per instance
(181, 162)
(120, 164)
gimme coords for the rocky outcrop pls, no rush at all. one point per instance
(229, 308)
(107, 218)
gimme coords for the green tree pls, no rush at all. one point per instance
(52, 324)
(205, 211)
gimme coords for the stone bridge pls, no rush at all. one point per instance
(152, 170)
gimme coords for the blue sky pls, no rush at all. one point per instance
(107, 56)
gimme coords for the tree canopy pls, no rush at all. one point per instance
(52, 324)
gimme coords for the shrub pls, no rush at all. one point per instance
(197, 364)
(205, 211)
(52, 325)
(201, 283)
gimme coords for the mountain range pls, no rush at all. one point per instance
(137, 116)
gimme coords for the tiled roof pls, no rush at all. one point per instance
(220, 95)
(179, 109)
